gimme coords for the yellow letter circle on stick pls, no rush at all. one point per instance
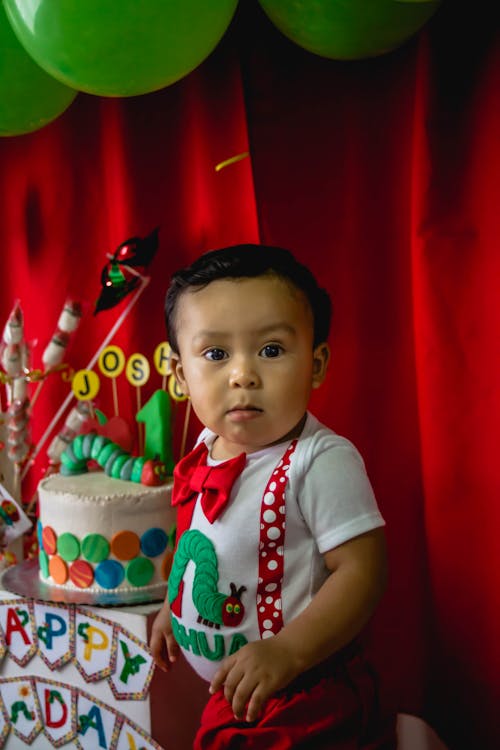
(137, 370)
(111, 361)
(85, 385)
(175, 391)
(161, 357)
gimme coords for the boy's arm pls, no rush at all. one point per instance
(162, 643)
(337, 613)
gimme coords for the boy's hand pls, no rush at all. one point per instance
(162, 639)
(253, 674)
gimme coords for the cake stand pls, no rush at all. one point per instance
(23, 579)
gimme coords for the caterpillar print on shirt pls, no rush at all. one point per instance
(116, 462)
(214, 608)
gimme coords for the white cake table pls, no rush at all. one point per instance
(105, 659)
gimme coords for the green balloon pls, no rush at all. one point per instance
(119, 47)
(349, 29)
(29, 98)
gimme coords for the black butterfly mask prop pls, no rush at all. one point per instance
(117, 280)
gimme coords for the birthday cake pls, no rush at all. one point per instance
(101, 534)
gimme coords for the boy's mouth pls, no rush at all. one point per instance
(244, 411)
(244, 407)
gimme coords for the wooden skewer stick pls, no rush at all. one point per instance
(185, 428)
(57, 416)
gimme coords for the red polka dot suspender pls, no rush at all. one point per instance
(272, 547)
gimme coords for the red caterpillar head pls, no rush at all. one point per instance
(232, 608)
(153, 473)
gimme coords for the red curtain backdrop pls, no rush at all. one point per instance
(382, 175)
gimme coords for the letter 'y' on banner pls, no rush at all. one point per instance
(132, 737)
(134, 668)
(54, 627)
(16, 621)
(95, 648)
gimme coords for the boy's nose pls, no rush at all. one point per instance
(243, 375)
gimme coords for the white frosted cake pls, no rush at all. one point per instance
(100, 534)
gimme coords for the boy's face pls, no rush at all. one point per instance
(246, 360)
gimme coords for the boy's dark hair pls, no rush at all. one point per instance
(249, 261)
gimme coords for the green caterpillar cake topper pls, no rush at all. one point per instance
(115, 461)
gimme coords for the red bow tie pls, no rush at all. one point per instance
(192, 476)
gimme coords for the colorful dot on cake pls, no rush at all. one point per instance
(58, 570)
(81, 574)
(95, 548)
(43, 561)
(166, 565)
(49, 540)
(172, 535)
(39, 529)
(153, 542)
(139, 572)
(125, 545)
(68, 546)
(109, 574)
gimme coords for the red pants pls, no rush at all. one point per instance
(334, 706)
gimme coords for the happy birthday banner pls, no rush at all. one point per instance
(64, 714)
(100, 649)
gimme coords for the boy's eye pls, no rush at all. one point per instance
(215, 354)
(271, 350)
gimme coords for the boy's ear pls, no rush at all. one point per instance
(321, 358)
(178, 372)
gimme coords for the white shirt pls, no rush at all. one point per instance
(329, 500)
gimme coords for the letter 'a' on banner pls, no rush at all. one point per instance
(97, 724)
(16, 621)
